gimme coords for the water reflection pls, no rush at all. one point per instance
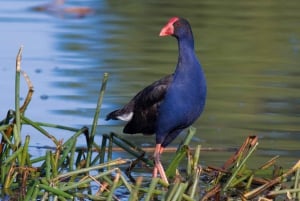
(249, 50)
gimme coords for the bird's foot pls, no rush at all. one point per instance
(158, 168)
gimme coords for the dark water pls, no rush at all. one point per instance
(250, 51)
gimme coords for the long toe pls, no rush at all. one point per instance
(162, 172)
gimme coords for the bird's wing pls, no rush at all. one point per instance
(144, 107)
(143, 100)
(152, 94)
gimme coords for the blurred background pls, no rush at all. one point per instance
(250, 51)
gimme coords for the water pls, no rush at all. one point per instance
(250, 51)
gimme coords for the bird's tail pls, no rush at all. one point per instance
(113, 115)
(121, 114)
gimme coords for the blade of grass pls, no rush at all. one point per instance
(172, 191)
(196, 172)
(29, 93)
(196, 157)
(39, 128)
(269, 163)
(151, 189)
(189, 136)
(13, 156)
(49, 125)
(110, 146)
(53, 165)
(6, 139)
(30, 191)
(134, 196)
(180, 191)
(72, 155)
(171, 170)
(84, 170)
(194, 186)
(83, 130)
(187, 198)
(10, 176)
(251, 194)
(66, 151)
(48, 165)
(129, 143)
(16, 136)
(4, 127)
(17, 97)
(25, 151)
(35, 192)
(87, 180)
(249, 142)
(241, 165)
(114, 186)
(127, 185)
(124, 145)
(56, 191)
(96, 117)
(296, 195)
(103, 148)
(38, 159)
(181, 152)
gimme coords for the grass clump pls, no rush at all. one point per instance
(69, 172)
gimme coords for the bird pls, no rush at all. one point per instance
(168, 106)
(57, 8)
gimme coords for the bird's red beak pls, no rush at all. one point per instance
(168, 29)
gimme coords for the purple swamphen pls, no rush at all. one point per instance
(171, 104)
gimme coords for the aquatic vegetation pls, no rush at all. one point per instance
(69, 172)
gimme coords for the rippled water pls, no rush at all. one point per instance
(250, 51)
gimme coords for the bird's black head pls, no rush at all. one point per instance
(177, 27)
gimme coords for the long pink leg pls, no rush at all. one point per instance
(158, 166)
(156, 157)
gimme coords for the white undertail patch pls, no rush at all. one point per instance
(126, 116)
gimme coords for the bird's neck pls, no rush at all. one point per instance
(186, 55)
(187, 41)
